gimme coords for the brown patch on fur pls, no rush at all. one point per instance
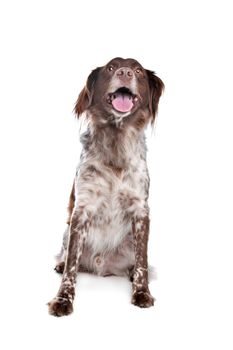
(92, 170)
(126, 200)
(115, 169)
(71, 205)
(140, 122)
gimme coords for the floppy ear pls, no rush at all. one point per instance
(85, 97)
(156, 87)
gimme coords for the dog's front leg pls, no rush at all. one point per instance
(62, 304)
(141, 295)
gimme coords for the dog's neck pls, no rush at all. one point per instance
(113, 146)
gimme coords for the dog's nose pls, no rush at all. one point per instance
(125, 73)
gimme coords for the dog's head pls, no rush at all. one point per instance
(120, 90)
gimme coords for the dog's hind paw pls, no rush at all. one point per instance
(59, 268)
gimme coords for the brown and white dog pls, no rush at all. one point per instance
(108, 223)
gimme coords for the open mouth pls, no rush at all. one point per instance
(122, 100)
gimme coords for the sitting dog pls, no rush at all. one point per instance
(108, 223)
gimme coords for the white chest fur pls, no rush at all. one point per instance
(111, 195)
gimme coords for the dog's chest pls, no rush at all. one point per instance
(111, 197)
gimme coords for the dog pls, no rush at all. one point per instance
(108, 224)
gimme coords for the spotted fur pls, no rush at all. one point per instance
(108, 224)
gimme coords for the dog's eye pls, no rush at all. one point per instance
(138, 70)
(110, 68)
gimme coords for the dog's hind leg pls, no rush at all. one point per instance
(61, 257)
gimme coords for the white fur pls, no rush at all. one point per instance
(104, 198)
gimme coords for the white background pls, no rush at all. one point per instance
(47, 50)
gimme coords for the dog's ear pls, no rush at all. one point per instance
(156, 87)
(85, 97)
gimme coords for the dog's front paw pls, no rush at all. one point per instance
(142, 299)
(60, 307)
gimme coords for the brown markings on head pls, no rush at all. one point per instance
(156, 88)
(93, 97)
(85, 97)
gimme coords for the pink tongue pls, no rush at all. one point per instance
(122, 103)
